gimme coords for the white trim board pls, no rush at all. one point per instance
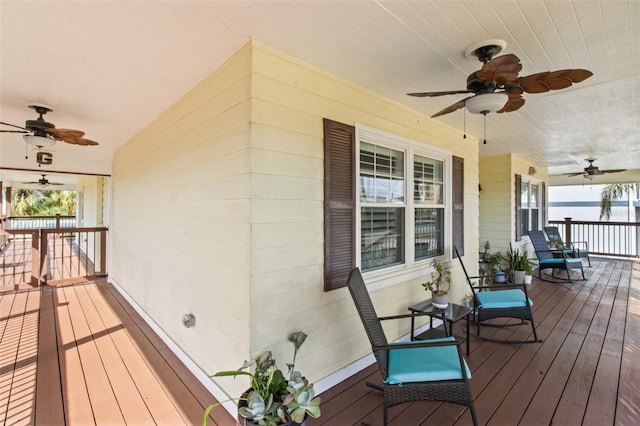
(320, 386)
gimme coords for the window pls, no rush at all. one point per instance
(402, 201)
(529, 205)
(389, 203)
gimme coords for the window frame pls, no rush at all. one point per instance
(528, 182)
(410, 268)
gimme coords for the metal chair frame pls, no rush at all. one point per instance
(454, 391)
(522, 313)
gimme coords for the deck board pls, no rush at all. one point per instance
(49, 389)
(585, 372)
(113, 369)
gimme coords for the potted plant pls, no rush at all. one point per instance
(439, 284)
(515, 259)
(494, 262)
(273, 399)
(529, 267)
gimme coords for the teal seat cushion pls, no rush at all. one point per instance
(513, 298)
(556, 261)
(425, 364)
(561, 261)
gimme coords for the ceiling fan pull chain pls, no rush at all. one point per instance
(484, 114)
(464, 123)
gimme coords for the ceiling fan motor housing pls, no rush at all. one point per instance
(38, 125)
(480, 86)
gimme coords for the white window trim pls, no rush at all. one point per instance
(411, 269)
(528, 180)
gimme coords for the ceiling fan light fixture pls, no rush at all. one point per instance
(39, 141)
(485, 103)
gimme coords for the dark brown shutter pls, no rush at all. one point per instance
(518, 207)
(457, 175)
(339, 203)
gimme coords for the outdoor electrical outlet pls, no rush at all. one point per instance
(188, 320)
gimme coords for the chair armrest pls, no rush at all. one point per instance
(417, 344)
(401, 316)
(585, 243)
(480, 276)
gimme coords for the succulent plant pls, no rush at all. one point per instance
(272, 399)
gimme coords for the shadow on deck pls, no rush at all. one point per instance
(79, 354)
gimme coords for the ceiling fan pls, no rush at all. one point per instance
(592, 170)
(43, 181)
(40, 133)
(496, 87)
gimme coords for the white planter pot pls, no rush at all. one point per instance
(518, 276)
(440, 301)
(527, 279)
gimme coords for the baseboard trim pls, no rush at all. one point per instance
(319, 386)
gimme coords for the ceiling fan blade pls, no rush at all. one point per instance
(62, 134)
(578, 75)
(13, 125)
(71, 136)
(514, 103)
(86, 142)
(555, 80)
(613, 171)
(502, 69)
(451, 108)
(533, 83)
(513, 90)
(433, 94)
(575, 174)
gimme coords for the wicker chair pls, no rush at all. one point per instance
(574, 249)
(500, 301)
(412, 371)
(553, 259)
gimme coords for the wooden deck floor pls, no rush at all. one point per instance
(80, 355)
(587, 371)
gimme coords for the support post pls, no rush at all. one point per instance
(567, 231)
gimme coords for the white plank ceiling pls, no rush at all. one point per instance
(110, 67)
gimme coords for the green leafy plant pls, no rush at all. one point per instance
(273, 399)
(529, 265)
(515, 259)
(440, 281)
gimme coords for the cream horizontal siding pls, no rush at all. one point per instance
(218, 211)
(290, 99)
(181, 218)
(497, 198)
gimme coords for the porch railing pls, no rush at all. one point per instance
(37, 256)
(38, 222)
(606, 238)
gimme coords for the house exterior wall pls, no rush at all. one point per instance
(218, 211)
(497, 199)
(180, 224)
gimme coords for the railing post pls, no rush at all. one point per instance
(58, 221)
(35, 259)
(567, 231)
